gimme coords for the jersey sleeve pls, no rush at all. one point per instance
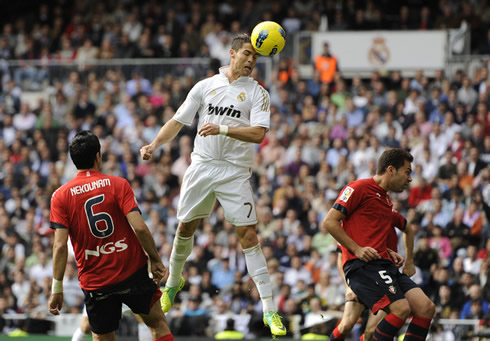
(127, 201)
(349, 199)
(398, 221)
(187, 111)
(58, 217)
(260, 114)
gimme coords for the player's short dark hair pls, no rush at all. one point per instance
(84, 148)
(239, 40)
(395, 157)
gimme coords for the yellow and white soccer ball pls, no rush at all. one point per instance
(268, 38)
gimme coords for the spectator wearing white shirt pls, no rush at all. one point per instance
(25, 119)
(382, 129)
(41, 270)
(438, 141)
(466, 94)
(133, 28)
(472, 264)
(21, 285)
(297, 272)
(8, 131)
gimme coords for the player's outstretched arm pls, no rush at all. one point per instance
(331, 223)
(60, 255)
(245, 134)
(146, 240)
(408, 237)
(166, 133)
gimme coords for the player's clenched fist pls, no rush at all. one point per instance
(55, 303)
(146, 152)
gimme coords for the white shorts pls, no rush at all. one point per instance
(203, 183)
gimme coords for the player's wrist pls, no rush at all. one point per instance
(223, 129)
(57, 286)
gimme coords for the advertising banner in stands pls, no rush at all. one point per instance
(385, 50)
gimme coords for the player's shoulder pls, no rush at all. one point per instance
(116, 180)
(210, 81)
(360, 184)
(61, 190)
(256, 88)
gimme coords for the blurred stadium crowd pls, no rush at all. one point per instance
(322, 137)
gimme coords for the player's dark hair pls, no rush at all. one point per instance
(84, 148)
(395, 157)
(239, 40)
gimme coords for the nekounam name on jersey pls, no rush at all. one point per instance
(227, 111)
(89, 186)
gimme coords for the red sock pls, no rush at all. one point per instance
(336, 335)
(168, 337)
(417, 329)
(388, 327)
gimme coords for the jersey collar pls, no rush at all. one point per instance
(87, 173)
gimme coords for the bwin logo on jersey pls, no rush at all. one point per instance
(228, 111)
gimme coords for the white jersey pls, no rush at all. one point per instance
(243, 103)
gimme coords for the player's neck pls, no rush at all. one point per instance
(232, 75)
(382, 182)
(93, 169)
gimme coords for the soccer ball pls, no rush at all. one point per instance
(268, 38)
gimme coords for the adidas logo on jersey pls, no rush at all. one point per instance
(228, 111)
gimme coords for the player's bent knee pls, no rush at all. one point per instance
(401, 308)
(428, 310)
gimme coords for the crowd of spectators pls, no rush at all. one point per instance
(322, 136)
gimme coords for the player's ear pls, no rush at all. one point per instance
(98, 159)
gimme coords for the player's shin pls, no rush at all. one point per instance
(388, 327)
(257, 269)
(336, 335)
(417, 329)
(181, 249)
(168, 337)
(78, 335)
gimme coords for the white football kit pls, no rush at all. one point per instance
(221, 165)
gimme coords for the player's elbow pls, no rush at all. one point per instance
(326, 225)
(60, 248)
(409, 230)
(260, 135)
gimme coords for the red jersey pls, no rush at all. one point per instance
(93, 207)
(398, 221)
(369, 217)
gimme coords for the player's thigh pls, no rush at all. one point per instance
(374, 286)
(104, 337)
(143, 294)
(103, 313)
(85, 324)
(352, 312)
(155, 319)
(236, 197)
(420, 304)
(197, 196)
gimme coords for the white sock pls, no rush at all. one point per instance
(257, 269)
(181, 249)
(144, 333)
(78, 335)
